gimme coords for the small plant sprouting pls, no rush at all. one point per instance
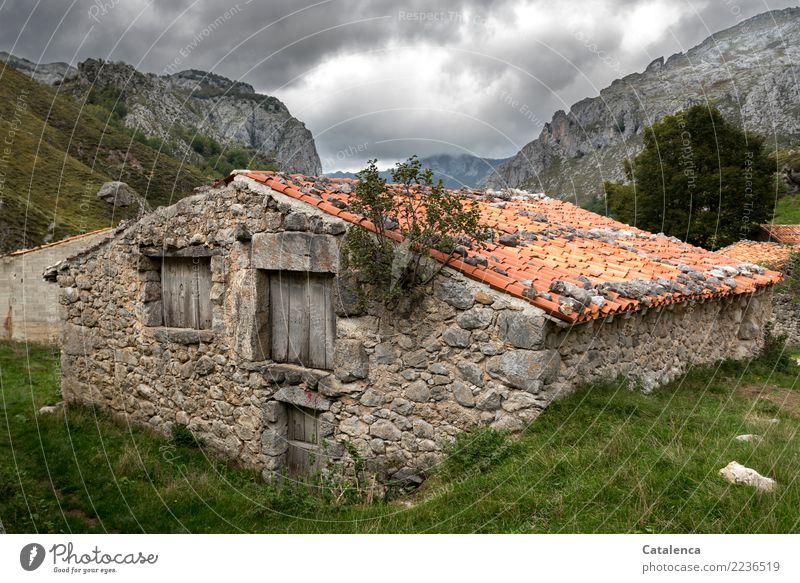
(182, 436)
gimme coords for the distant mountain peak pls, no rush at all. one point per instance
(749, 71)
(455, 170)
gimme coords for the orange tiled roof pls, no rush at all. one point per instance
(54, 243)
(774, 255)
(783, 233)
(572, 263)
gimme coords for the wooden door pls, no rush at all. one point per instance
(303, 457)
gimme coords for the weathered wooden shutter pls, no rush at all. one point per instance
(186, 292)
(303, 457)
(303, 322)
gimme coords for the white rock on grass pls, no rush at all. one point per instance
(748, 437)
(736, 473)
(51, 409)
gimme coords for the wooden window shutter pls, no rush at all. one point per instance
(303, 323)
(186, 292)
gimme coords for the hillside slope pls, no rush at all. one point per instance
(54, 157)
(748, 71)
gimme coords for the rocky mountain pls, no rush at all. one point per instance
(47, 73)
(454, 170)
(748, 71)
(181, 107)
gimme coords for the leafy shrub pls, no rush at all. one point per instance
(476, 451)
(182, 436)
(774, 353)
(422, 212)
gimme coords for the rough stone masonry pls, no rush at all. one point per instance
(399, 386)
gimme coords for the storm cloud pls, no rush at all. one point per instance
(385, 79)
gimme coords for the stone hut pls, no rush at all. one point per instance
(28, 303)
(785, 317)
(230, 313)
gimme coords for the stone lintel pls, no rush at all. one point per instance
(295, 251)
(302, 398)
(193, 251)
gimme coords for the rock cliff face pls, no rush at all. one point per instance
(748, 71)
(176, 107)
(230, 111)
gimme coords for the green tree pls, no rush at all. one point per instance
(409, 220)
(698, 178)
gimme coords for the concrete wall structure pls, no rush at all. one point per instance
(29, 308)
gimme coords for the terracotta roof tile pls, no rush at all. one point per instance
(783, 233)
(774, 255)
(624, 268)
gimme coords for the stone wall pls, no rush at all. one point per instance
(404, 383)
(786, 316)
(654, 346)
(29, 308)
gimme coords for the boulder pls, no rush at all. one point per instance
(372, 398)
(302, 398)
(353, 427)
(736, 473)
(273, 443)
(521, 400)
(118, 194)
(347, 296)
(330, 386)
(472, 373)
(488, 401)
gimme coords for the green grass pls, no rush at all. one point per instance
(605, 459)
(787, 210)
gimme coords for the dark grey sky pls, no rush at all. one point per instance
(386, 78)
